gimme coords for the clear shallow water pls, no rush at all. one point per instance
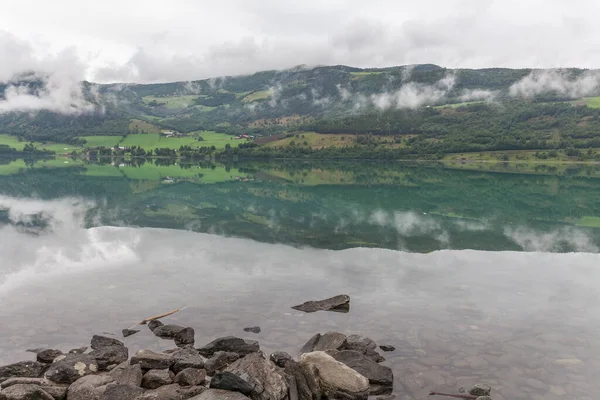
(526, 321)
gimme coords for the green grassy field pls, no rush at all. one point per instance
(59, 148)
(105, 141)
(456, 105)
(172, 101)
(593, 102)
(263, 94)
(153, 141)
(362, 74)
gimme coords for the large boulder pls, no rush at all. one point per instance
(217, 394)
(48, 356)
(167, 331)
(25, 392)
(171, 392)
(336, 380)
(24, 369)
(184, 337)
(219, 360)
(262, 375)
(230, 344)
(190, 377)
(69, 368)
(186, 358)
(156, 378)
(380, 377)
(127, 374)
(89, 387)
(324, 342)
(340, 303)
(110, 355)
(148, 359)
(229, 381)
(99, 342)
(57, 391)
(302, 386)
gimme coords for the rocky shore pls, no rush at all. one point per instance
(330, 365)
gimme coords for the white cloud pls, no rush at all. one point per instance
(557, 81)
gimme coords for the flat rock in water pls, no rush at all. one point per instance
(89, 387)
(262, 375)
(376, 374)
(324, 342)
(167, 331)
(252, 329)
(25, 392)
(48, 356)
(230, 344)
(99, 342)
(219, 360)
(280, 358)
(129, 332)
(171, 392)
(190, 377)
(71, 367)
(110, 355)
(228, 381)
(334, 377)
(127, 374)
(340, 303)
(148, 359)
(24, 369)
(184, 337)
(385, 347)
(156, 378)
(217, 394)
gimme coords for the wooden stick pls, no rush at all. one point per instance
(145, 321)
(458, 396)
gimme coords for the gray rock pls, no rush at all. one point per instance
(57, 391)
(340, 303)
(48, 356)
(252, 329)
(25, 392)
(127, 374)
(171, 392)
(129, 332)
(99, 342)
(190, 377)
(219, 360)
(261, 374)
(152, 325)
(156, 378)
(483, 398)
(69, 368)
(24, 369)
(480, 390)
(376, 374)
(89, 387)
(151, 360)
(110, 355)
(167, 331)
(217, 394)
(115, 391)
(360, 343)
(375, 356)
(327, 341)
(280, 358)
(385, 347)
(230, 344)
(336, 380)
(79, 350)
(228, 381)
(186, 358)
(302, 386)
(184, 337)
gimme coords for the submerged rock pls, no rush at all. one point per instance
(229, 381)
(129, 332)
(71, 367)
(340, 303)
(230, 344)
(335, 379)
(266, 382)
(387, 347)
(252, 329)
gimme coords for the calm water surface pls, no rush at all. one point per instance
(470, 275)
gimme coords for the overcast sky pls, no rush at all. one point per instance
(157, 41)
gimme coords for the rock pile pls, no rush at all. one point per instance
(331, 365)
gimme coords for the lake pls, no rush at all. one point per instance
(474, 273)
